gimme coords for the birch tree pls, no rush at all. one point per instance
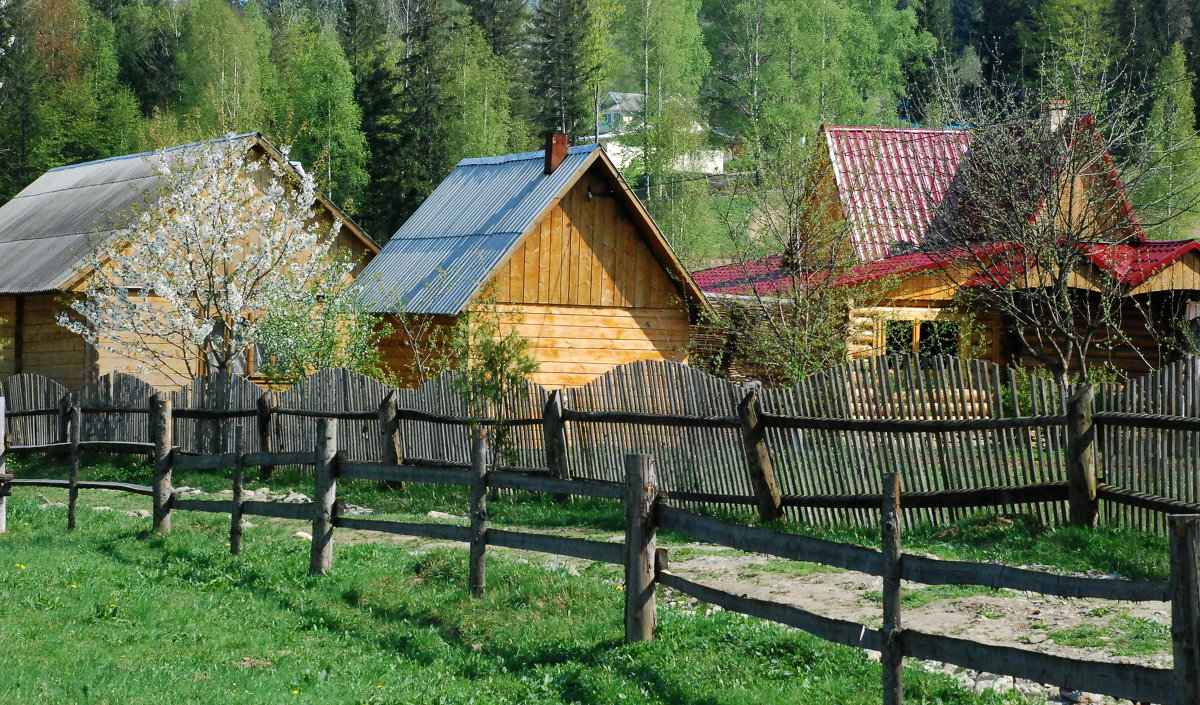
(191, 277)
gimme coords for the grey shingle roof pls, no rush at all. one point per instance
(437, 261)
(47, 228)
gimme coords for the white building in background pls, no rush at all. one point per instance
(619, 120)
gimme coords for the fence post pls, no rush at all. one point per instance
(758, 460)
(239, 472)
(1081, 456)
(554, 436)
(162, 435)
(64, 418)
(266, 437)
(324, 497)
(892, 657)
(389, 430)
(73, 483)
(479, 474)
(5, 478)
(641, 496)
(1185, 605)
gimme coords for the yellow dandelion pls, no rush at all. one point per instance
(112, 606)
(19, 566)
(379, 686)
(620, 587)
(73, 585)
(295, 692)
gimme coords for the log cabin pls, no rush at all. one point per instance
(889, 188)
(47, 229)
(559, 242)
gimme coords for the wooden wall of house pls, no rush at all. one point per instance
(36, 344)
(588, 293)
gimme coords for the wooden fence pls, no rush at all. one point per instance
(708, 462)
(648, 509)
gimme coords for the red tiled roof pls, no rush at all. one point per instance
(891, 180)
(1131, 264)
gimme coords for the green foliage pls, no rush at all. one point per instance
(492, 361)
(221, 62)
(1169, 198)
(330, 328)
(564, 69)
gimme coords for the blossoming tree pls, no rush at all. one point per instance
(205, 266)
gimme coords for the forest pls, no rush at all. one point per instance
(379, 98)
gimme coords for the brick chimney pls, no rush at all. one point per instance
(556, 151)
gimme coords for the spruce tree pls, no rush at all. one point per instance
(503, 23)
(563, 71)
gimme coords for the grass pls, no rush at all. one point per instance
(913, 598)
(110, 614)
(1122, 636)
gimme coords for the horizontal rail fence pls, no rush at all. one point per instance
(649, 509)
(714, 446)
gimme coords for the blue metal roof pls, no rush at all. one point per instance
(437, 261)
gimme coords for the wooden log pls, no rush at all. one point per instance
(892, 656)
(73, 489)
(1164, 422)
(979, 497)
(932, 571)
(642, 419)
(215, 414)
(1081, 456)
(550, 485)
(1185, 606)
(838, 631)
(270, 460)
(641, 498)
(414, 415)
(1145, 501)
(43, 448)
(363, 415)
(161, 429)
(214, 506)
(235, 515)
(83, 485)
(758, 460)
(404, 473)
(477, 577)
(601, 551)
(281, 510)
(911, 426)
(32, 412)
(446, 532)
(266, 434)
(324, 496)
(755, 540)
(1137, 683)
(206, 461)
(118, 447)
(554, 436)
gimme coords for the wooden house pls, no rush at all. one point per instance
(47, 229)
(887, 186)
(563, 247)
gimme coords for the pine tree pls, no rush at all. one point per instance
(562, 68)
(1170, 199)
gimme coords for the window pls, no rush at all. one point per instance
(921, 337)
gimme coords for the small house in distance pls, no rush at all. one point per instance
(47, 230)
(573, 260)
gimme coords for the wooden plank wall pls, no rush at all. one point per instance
(28, 392)
(116, 391)
(331, 390)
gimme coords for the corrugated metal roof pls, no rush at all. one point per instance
(48, 228)
(442, 255)
(891, 180)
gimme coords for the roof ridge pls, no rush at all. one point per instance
(152, 151)
(523, 156)
(878, 128)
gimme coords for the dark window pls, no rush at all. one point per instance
(938, 338)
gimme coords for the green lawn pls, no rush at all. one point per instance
(110, 614)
